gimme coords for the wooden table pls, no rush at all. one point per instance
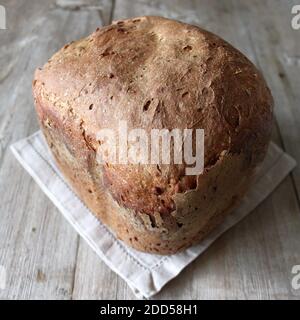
(45, 258)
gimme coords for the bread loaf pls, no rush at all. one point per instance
(154, 72)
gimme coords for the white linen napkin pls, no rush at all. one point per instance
(145, 273)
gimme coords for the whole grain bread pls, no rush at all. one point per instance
(155, 73)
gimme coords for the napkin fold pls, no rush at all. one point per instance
(146, 274)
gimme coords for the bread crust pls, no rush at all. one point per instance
(154, 72)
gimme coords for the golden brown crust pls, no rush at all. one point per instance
(157, 73)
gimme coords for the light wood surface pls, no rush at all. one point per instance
(42, 254)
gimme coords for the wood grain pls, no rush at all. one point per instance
(45, 258)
